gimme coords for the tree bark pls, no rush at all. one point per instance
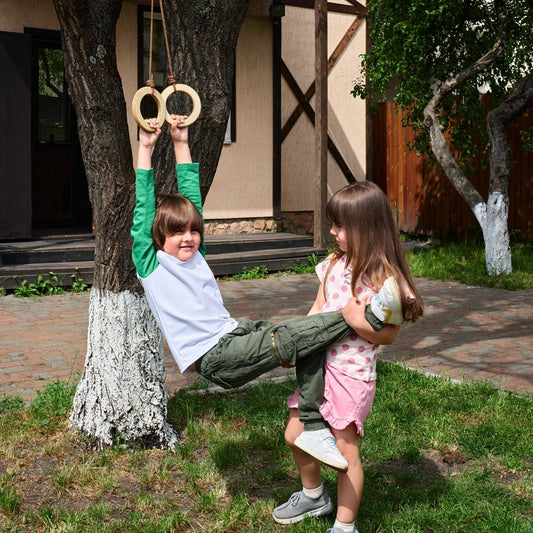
(121, 393)
(203, 37)
(498, 251)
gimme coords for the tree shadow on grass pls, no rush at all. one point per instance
(250, 455)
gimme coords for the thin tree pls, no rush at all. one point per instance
(433, 57)
(121, 394)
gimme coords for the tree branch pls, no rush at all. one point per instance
(441, 91)
(439, 144)
(520, 100)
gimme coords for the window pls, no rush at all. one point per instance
(53, 108)
(159, 68)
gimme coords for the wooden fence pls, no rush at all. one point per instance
(425, 201)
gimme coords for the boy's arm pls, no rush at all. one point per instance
(187, 171)
(143, 251)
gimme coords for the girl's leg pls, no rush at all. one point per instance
(349, 484)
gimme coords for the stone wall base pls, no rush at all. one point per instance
(299, 222)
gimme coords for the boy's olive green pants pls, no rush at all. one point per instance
(256, 347)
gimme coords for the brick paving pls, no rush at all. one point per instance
(468, 333)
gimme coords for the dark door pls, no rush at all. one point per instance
(60, 200)
(15, 130)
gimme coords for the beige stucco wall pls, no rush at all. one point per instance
(242, 187)
(243, 182)
(346, 115)
(16, 15)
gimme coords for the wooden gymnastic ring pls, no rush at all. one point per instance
(192, 94)
(136, 107)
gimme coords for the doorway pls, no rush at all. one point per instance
(59, 192)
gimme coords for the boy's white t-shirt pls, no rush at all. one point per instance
(188, 307)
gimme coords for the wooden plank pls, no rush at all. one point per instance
(426, 201)
(355, 9)
(321, 123)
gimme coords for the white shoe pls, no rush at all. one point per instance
(321, 444)
(386, 305)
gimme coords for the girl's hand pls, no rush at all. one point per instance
(179, 134)
(149, 138)
(354, 315)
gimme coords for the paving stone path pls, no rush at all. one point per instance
(469, 333)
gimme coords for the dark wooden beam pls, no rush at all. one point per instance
(355, 9)
(321, 123)
(310, 112)
(295, 115)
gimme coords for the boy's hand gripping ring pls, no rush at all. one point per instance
(192, 94)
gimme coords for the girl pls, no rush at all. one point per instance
(369, 254)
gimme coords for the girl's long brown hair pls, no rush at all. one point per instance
(373, 247)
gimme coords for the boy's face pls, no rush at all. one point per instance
(183, 244)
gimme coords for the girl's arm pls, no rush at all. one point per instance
(354, 315)
(320, 300)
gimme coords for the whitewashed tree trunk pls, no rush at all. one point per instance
(121, 395)
(492, 215)
(496, 234)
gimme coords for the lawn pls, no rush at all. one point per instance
(439, 457)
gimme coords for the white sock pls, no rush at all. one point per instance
(314, 493)
(348, 528)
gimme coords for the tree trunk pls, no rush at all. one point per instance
(492, 216)
(498, 250)
(121, 393)
(203, 37)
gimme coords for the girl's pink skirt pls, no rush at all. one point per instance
(346, 400)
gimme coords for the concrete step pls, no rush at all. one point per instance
(226, 254)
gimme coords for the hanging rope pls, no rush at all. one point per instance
(161, 98)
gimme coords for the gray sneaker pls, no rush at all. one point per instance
(338, 530)
(298, 506)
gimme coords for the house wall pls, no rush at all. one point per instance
(15, 16)
(245, 167)
(346, 115)
(242, 187)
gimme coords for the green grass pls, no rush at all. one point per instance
(464, 262)
(438, 457)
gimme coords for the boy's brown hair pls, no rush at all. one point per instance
(174, 213)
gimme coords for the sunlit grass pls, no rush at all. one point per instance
(464, 262)
(438, 456)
